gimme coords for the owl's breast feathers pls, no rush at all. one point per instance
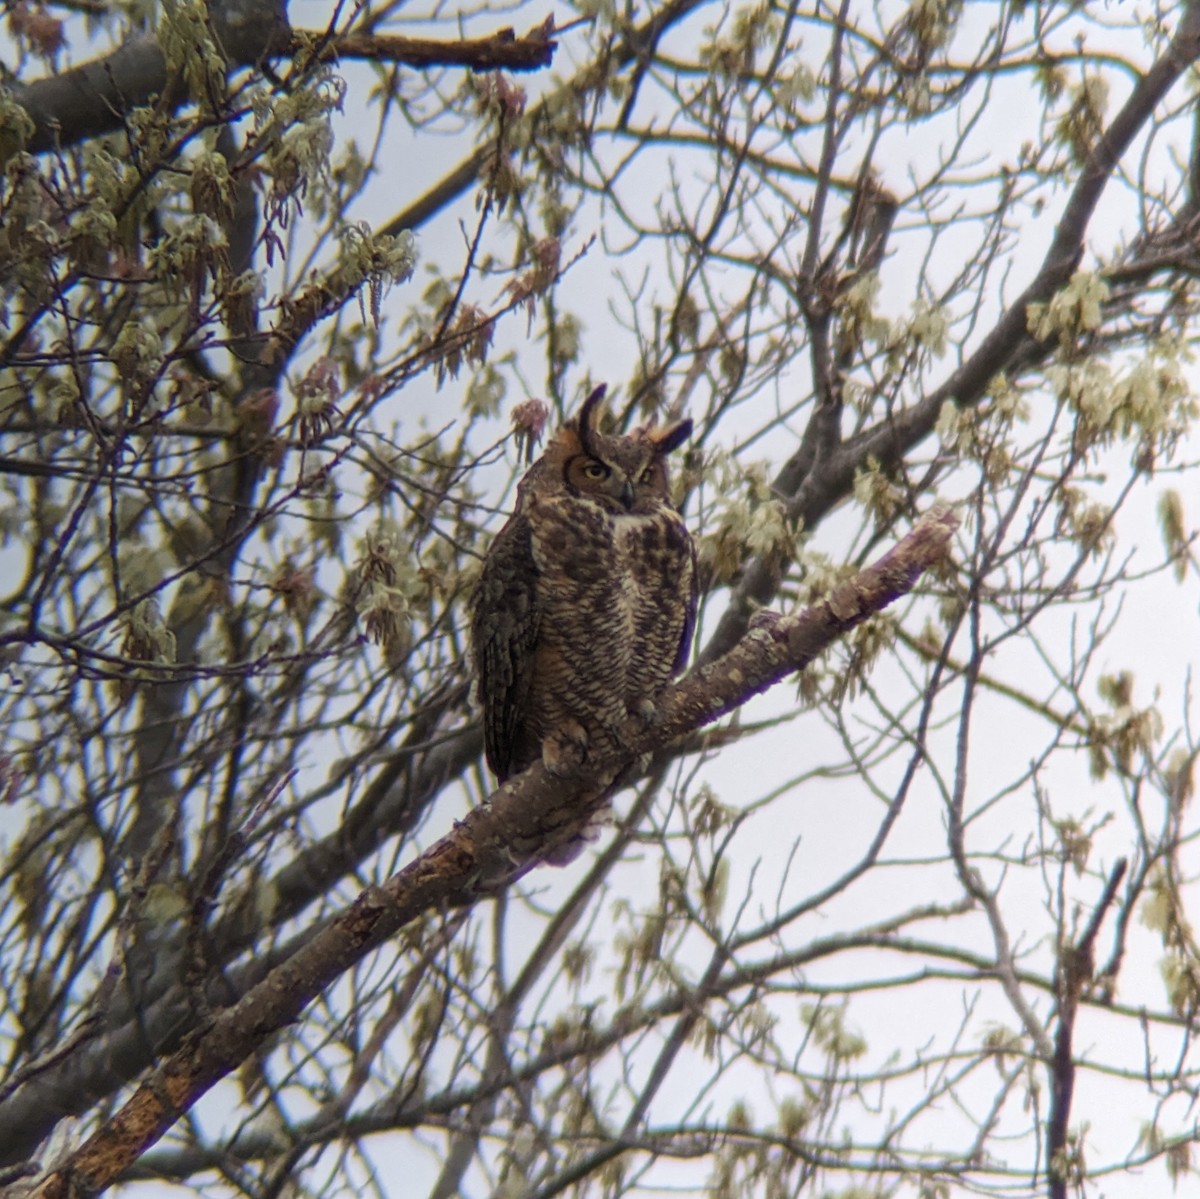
(659, 597)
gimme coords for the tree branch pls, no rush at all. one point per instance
(1075, 970)
(536, 812)
(125, 1038)
(501, 50)
(813, 488)
(97, 97)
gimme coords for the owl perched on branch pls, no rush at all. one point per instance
(587, 600)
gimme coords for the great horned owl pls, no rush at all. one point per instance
(587, 600)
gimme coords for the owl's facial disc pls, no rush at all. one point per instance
(625, 474)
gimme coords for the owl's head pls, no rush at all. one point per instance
(624, 474)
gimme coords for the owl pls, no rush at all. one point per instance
(587, 600)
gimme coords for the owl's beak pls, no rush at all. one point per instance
(627, 493)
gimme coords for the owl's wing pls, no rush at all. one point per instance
(504, 630)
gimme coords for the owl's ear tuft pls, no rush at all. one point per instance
(671, 437)
(589, 418)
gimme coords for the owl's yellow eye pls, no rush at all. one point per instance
(596, 470)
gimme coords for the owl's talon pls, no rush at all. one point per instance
(564, 750)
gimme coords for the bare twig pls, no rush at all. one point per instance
(1076, 966)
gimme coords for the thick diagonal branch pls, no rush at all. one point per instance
(97, 97)
(536, 810)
